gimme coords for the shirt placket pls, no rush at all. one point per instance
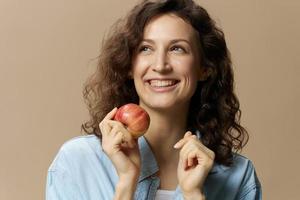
(146, 189)
(155, 182)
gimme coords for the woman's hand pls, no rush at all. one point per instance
(195, 162)
(121, 148)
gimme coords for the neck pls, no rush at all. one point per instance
(166, 128)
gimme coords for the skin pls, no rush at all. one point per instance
(168, 52)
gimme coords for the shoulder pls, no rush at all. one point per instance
(237, 181)
(80, 169)
(250, 187)
(240, 164)
(243, 168)
(242, 173)
(77, 150)
(79, 143)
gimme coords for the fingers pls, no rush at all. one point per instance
(118, 128)
(115, 127)
(104, 126)
(192, 158)
(118, 136)
(111, 114)
(184, 140)
(193, 152)
(189, 136)
(115, 131)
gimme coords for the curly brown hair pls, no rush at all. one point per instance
(214, 108)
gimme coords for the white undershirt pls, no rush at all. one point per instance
(164, 194)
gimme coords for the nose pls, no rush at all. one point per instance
(161, 62)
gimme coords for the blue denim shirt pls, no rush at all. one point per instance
(82, 171)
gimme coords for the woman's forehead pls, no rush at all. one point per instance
(168, 26)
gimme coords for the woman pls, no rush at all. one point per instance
(169, 57)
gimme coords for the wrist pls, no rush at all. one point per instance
(125, 189)
(127, 182)
(128, 178)
(195, 195)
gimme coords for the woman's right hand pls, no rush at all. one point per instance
(121, 148)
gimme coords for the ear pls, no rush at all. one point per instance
(204, 73)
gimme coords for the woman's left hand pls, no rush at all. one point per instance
(195, 162)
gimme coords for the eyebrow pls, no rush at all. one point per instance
(172, 41)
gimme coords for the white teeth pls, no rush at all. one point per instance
(162, 83)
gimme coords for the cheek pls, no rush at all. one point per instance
(187, 67)
(139, 66)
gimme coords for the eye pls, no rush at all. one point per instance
(178, 49)
(145, 48)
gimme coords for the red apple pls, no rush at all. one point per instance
(135, 118)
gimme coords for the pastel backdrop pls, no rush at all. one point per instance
(48, 49)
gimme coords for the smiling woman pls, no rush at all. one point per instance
(166, 66)
(169, 57)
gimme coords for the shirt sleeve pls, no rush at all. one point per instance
(251, 188)
(60, 186)
(60, 183)
(253, 193)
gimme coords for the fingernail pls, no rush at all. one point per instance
(187, 134)
(176, 145)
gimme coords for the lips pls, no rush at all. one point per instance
(162, 83)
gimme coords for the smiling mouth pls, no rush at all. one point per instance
(162, 83)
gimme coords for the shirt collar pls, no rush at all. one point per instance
(149, 164)
(218, 168)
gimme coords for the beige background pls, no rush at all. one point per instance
(47, 49)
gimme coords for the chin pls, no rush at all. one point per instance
(162, 105)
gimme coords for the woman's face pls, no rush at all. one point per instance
(166, 66)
